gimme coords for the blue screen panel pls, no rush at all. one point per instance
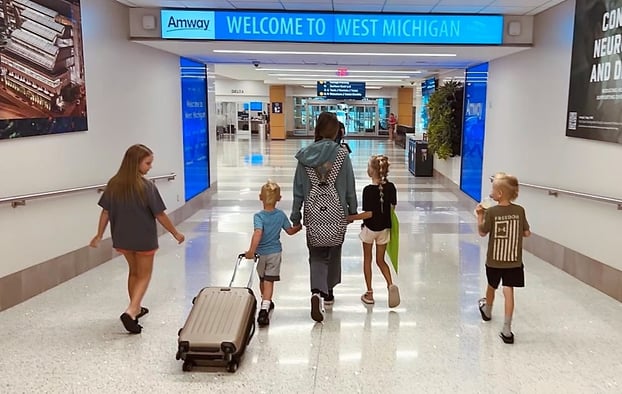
(333, 27)
(256, 106)
(428, 87)
(194, 112)
(476, 84)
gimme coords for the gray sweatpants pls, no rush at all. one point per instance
(325, 267)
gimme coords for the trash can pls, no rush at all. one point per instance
(261, 127)
(411, 155)
(423, 159)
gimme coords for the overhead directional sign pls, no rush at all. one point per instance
(341, 90)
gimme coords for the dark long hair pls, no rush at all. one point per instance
(327, 126)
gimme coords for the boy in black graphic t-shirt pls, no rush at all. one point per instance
(506, 224)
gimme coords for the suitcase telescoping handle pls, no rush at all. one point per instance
(241, 257)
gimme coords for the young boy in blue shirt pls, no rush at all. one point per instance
(266, 243)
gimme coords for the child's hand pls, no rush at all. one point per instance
(359, 216)
(179, 237)
(95, 241)
(249, 255)
(479, 209)
(297, 227)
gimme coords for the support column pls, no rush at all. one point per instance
(277, 121)
(405, 107)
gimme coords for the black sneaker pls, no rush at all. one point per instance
(317, 310)
(329, 299)
(271, 306)
(263, 319)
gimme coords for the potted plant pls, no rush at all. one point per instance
(445, 120)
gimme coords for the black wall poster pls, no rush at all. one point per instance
(595, 96)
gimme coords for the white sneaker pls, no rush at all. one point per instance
(317, 308)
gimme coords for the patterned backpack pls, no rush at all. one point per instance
(324, 217)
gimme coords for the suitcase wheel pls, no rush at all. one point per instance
(188, 365)
(178, 355)
(233, 366)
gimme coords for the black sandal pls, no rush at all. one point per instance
(131, 325)
(509, 339)
(143, 312)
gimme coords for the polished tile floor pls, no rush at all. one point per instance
(568, 336)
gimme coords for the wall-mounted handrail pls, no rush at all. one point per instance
(17, 201)
(555, 192)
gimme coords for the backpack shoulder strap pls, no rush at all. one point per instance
(342, 153)
(331, 170)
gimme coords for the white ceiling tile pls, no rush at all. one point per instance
(408, 8)
(308, 6)
(507, 10)
(411, 2)
(359, 7)
(206, 4)
(458, 9)
(515, 3)
(469, 3)
(286, 3)
(350, 3)
(263, 5)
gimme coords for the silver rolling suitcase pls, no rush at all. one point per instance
(220, 325)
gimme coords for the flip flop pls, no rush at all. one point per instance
(143, 312)
(131, 325)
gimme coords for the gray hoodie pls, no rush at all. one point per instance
(312, 156)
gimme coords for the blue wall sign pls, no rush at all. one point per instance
(341, 90)
(195, 121)
(332, 27)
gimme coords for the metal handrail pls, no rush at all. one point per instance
(17, 201)
(555, 192)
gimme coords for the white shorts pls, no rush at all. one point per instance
(381, 237)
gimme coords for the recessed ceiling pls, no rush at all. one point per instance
(240, 64)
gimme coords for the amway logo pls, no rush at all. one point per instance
(187, 24)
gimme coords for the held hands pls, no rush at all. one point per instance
(297, 228)
(359, 216)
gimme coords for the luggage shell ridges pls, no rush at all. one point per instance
(232, 307)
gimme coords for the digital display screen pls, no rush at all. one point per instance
(332, 27)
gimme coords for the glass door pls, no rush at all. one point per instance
(362, 119)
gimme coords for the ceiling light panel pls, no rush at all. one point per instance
(257, 52)
(397, 77)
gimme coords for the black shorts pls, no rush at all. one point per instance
(512, 277)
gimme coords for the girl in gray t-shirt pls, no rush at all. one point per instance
(132, 204)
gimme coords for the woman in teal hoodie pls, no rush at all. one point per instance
(318, 159)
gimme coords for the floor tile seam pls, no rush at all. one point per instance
(317, 359)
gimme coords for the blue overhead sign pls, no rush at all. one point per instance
(333, 27)
(341, 90)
